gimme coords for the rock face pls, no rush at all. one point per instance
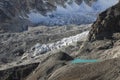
(18, 72)
(104, 37)
(9, 17)
(107, 24)
(16, 44)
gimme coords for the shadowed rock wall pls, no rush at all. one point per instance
(107, 24)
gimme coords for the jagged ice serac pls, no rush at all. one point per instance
(39, 49)
(72, 13)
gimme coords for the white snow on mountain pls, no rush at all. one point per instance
(101, 5)
(72, 14)
(36, 17)
(84, 8)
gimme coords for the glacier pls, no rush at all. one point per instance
(71, 14)
(39, 48)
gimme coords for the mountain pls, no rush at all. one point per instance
(72, 13)
(50, 12)
(52, 57)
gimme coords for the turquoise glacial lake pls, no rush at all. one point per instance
(84, 60)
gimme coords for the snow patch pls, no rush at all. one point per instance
(36, 17)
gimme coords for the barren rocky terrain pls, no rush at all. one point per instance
(47, 53)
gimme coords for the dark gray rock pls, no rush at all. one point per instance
(107, 23)
(17, 73)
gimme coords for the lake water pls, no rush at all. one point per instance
(84, 61)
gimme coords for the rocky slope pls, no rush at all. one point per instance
(106, 70)
(42, 69)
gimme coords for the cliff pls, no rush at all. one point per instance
(106, 25)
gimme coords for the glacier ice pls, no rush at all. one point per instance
(101, 5)
(42, 48)
(72, 14)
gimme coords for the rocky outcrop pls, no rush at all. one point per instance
(10, 19)
(18, 72)
(107, 24)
